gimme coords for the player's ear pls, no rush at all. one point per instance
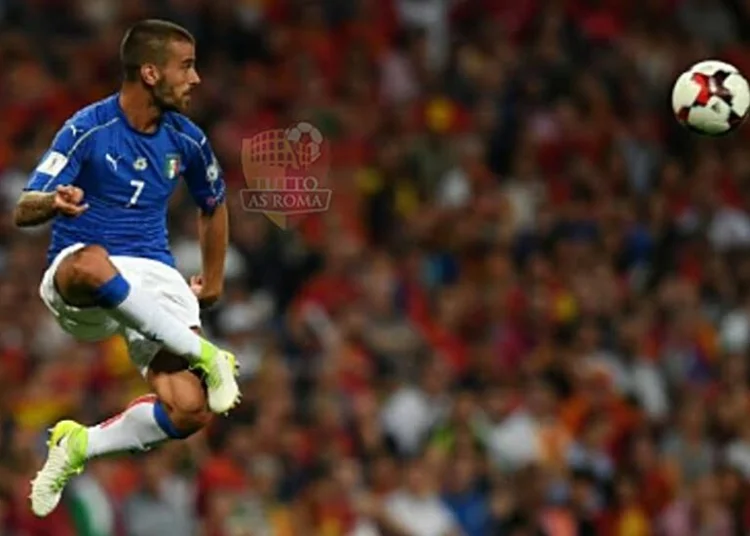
(150, 73)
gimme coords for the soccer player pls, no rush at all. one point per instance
(105, 184)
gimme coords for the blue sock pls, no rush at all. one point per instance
(112, 293)
(162, 419)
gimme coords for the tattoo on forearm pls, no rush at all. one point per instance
(34, 208)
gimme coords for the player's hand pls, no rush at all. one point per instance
(69, 201)
(206, 294)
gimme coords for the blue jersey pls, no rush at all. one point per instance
(127, 178)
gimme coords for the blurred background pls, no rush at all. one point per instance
(527, 311)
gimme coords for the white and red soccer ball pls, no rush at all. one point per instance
(711, 98)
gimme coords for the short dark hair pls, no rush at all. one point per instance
(146, 42)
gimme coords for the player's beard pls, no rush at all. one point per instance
(166, 98)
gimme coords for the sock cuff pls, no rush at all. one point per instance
(162, 419)
(112, 293)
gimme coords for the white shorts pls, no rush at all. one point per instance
(169, 288)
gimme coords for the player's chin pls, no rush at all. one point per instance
(184, 103)
(176, 104)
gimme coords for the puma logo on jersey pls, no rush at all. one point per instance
(112, 160)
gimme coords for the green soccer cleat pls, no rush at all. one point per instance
(66, 458)
(220, 372)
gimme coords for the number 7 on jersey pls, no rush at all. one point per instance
(138, 185)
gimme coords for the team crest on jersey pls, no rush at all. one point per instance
(172, 166)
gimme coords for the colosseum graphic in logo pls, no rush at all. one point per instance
(284, 170)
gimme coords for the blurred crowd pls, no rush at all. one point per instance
(526, 312)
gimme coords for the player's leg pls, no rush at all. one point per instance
(88, 278)
(177, 409)
(179, 405)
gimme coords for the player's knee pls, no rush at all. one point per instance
(188, 410)
(189, 423)
(89, 268)
(180, 391)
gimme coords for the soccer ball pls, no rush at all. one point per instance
(711, 98)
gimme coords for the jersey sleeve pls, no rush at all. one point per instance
(204, 177)
(61, 163)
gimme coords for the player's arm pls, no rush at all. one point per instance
(49, 191)
(213, 233)
(206, 184)
(36, 208)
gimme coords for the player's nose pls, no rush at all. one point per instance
(194, 78)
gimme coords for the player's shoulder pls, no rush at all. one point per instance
(185, 128)
(94, 116)
(83, 124)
